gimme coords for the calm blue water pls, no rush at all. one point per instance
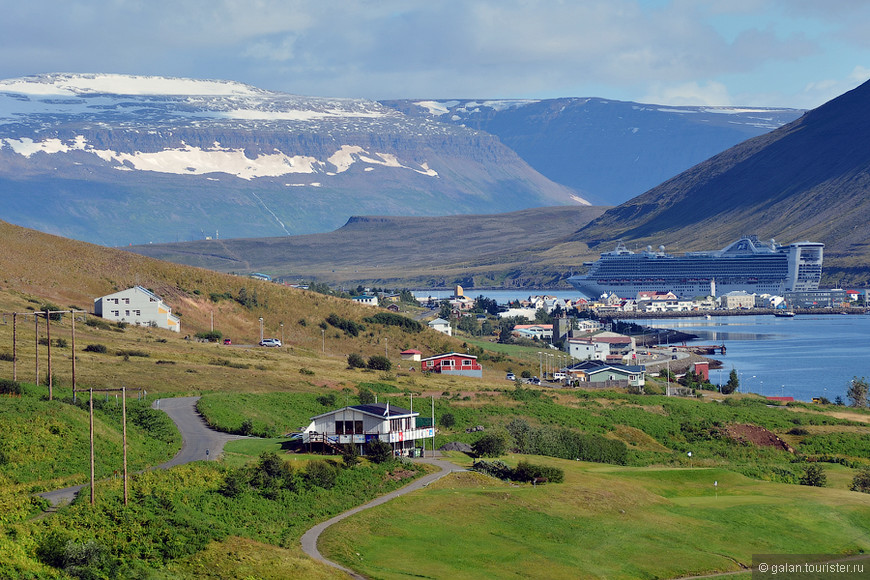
(802, 357)
(810, 355)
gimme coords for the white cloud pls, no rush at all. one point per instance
(693, 93)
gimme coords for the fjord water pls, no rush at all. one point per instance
(810, 355)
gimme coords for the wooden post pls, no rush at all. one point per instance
(36, 340)
(48, 337)
(73, 315)
(14, 346)
(124, 420)
(92, 444)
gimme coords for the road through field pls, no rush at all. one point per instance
(198, 442)
(309, 539)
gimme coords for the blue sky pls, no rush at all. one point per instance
(790, 53)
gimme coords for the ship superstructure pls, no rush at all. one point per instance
(747, 265)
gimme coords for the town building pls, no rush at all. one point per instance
(534, 331)
(367, 299)
(604, 375)
(411, 355)
(441, 325)
(361, 424)
(453, 363)
(138, 306)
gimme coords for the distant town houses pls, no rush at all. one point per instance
(138, 306)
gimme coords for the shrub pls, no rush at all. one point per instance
(8, 387)
(99, 348)
(355, 361)
(98, 323)
(320, 473)
(306, 372)
(814, 475)
(526, 471)
(490, 445)
(379, 451)
(129, 353)
(861, 481)
(247, 427)
(447, 420)
(391, 319)
(348, 326)
(366, 397)
(210, 335)
(379, 362)
(349, 454)
(6, 356)
(326, 400)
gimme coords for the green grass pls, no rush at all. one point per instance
(603, 522)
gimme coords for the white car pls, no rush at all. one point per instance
(270, 342)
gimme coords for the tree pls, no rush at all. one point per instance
(366, 397)
(355, 361)
(349, 454)
(447, 420)
(814, 475)
(469, 325)
(379, 451)
(732, 385)
(379, 362)
(490, 445)
(861, 481)
(857, 392)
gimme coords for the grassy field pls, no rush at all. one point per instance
(603, 522)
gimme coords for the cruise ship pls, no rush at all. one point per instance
(746, 264)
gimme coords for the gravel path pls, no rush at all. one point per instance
(198, 442)
(309, 539)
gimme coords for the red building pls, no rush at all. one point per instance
(453, 363)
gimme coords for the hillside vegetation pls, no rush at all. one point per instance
(243, 516)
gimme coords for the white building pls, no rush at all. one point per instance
(367, 299)
(137, 306)
(360, 424)
(441, 326)
(587, 349)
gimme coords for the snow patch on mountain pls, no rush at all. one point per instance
(84, 84)
(188, 160)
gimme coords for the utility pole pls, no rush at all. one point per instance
(124, 421)
(36, 341)
(91, 406)
(48, 338)
(14, 346)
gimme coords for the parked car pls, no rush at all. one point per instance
(535, 381)
(227, 341)
(270, 342)
(511, 377)
(559, 376)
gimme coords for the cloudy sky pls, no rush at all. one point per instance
(792, 53)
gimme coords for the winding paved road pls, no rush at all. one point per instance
(198, 442)
(309, 539)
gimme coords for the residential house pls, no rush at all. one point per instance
(137, 306)
(367, 299)
(587, 349)
(598, 374)
(453, 363)
(411, 355)
(534, 331)
(441, 325)
(361, 424)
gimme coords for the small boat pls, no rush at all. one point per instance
(784, 313)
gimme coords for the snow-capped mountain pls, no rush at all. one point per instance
(116, 159)
(610, 151)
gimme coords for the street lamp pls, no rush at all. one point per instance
(281, 324)
(261, 329)
(323, 338)
(540, 364)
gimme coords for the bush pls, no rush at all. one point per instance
(319, 473)
(349, 455)
(490, 445)
(861, 481)
(8, 387)
(379, 362)
(6, 356)
(391, 319)
(366, 397)
(99, 348)
(326, 400)
(447, 420)
(98, 323)
(129, 353)
(306, 371)
(379, 451)
(210, 335)
(526, 471)
(348, 326)
(814, 475)
(355, 361)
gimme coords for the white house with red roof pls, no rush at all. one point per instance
(453, 363)
(411, 354)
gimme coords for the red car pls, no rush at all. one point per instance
(227, 341)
